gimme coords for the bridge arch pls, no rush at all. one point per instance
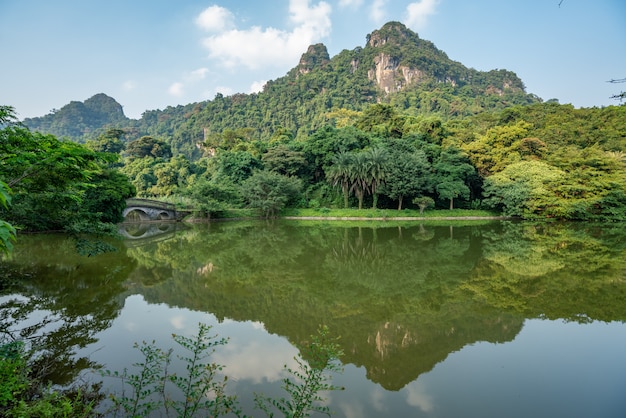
(149, 210)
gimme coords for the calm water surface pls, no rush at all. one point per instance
(436, 320)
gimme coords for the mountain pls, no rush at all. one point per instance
(396, 66)
(77, 120)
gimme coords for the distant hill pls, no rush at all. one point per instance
(396, 66)
(77, 120)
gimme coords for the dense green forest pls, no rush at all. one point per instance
(47, 184)
(395, 124)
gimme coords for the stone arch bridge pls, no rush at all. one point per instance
(151, 210)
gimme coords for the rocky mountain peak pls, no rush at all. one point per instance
(393, 33)
(316, 56)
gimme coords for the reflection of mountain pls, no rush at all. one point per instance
(397, 354)
(396, 306)
(401, 298)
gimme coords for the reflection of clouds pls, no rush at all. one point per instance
(360, 407)
(131, 326)
(178, 321)
(416, 396)
(354, 410)
(242, 361)
(377, 397)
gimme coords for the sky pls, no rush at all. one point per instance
(151, 54)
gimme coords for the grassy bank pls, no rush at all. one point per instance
(374, 214)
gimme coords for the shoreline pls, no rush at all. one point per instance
(395, 218)
(351, 218)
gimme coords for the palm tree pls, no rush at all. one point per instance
(377, 170)
(339, 174)
(359, 176)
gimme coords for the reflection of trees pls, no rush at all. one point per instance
(72, 298)
(555, 271)
(355, 280)
(401, 298)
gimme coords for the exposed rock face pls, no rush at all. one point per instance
(390, 76)
(389, 73)
(401, 58)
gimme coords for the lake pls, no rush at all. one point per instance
(435, 319)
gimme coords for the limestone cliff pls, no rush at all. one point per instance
(401, 59)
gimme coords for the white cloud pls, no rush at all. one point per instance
(129, 85)
(176, 89)
(418, 13)
(257, 86)
(199, 74)
(378, 13)
(350, 3)
(258, 47)
(224, 90)
(215, 19)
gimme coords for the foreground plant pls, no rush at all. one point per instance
(22, 394)
(146, 386)
(202, 378)
(307, 383)
(201, 389)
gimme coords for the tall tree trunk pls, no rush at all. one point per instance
(451, 203)
(359, 195)
(400, 202)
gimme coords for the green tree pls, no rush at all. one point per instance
(48, 178)
(359, 176)
(214, 195)
(423, 202)
(270, 192)
(235, 165)
(107, 194)
(409, 174)
(523, 189)
(321, 147)
(377, 170)
(52, 181)
(111, 141)
(452, 170)
(283, 160)
(147, 146)
(339, 174)
(7, 232)
(382, 120)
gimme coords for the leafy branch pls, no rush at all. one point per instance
(308, 381)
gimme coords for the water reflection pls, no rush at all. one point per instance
(405, 299)
(57, 301)
(148, 232)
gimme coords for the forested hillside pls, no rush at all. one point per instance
(395, 124)
(395, 66)
(79, 120)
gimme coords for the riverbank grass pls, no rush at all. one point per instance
(310, 213)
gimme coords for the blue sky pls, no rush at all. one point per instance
(150, 54)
